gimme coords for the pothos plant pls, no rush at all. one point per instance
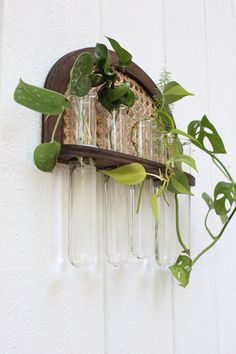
(201, 133)
(85, 75)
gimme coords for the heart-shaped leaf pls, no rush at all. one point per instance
(224, 196)
(80, 83)
(208, 200)
(131, 174)
(116, 93)
(103, 98)
(124, 57)
(112, 98)
(45, 155)
(181, 270)
(203, 130)
(40, 99)
(166, 119)
(179, 183)
(188, 160)
(173, 92)
(103, 62)
(127, 99)
(84, 85)
(101, 55)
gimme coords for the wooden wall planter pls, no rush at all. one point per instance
(144, 89)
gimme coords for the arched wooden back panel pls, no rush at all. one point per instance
(144, 89)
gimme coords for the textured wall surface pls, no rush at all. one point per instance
(46, 305)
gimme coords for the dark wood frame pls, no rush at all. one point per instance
(57, 80)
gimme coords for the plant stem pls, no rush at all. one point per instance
(55, 128)
(216, 238)
(186, 250)
(153, 175)
(206, 226)
(163, 102)
(139, 197)
(221, 167)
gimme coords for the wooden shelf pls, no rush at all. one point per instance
(110, 159)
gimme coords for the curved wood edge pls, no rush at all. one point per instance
(111, 159)
(58, 78)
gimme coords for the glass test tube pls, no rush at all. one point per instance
(82, 245)
(84, 119)
(168, 247)
(117, 216)
(117, 197)
(143, 244)
(82, 217)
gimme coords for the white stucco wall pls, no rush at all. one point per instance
(46, 305)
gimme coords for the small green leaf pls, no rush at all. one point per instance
(103, 61)
(208, 200)
(203, 130)
(97, 79)
(188, 160)
(166, 119)
(179, 183)
(224, 196)
(190, 137)
(80, 83)
(124, 57)
(127, 99)
(131, 174)
(181, 270)
(116, 93)
(45, 156)
(174, 92)
(40, 99)
(112, 98)
(102, 56)
(104, 98)
(154, 207)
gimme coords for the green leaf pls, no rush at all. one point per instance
(179, 183)
(124, 57)
(154, 207)
(97, 79)
(40, 99)
(104, 98)
(111, 98)
(174, 92)
(181, 270)
(80, 83)
(103, 61)
(131, 174)
(45, 156)
(208, 200)
(203, 130)
(84, 85)
(224, 196)
(190, 137)
(188, 160)
(127, 99)
(113, 94)
(166, 119)
(101, 55)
